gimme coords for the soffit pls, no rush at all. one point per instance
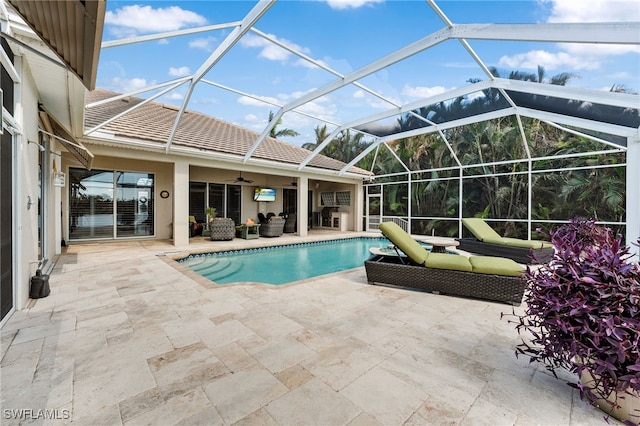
(73, 29)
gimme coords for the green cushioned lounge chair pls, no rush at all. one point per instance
(488, 242)
(482, 277)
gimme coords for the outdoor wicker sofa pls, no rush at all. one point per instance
(489, 242)
(274, 227)
(482, 277)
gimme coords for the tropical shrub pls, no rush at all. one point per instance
(582, 312)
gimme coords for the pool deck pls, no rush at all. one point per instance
(125, 338)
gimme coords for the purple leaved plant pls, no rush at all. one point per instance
(582, 311)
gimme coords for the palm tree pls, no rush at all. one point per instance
(282, 132)
(321, 134)
(345, 147)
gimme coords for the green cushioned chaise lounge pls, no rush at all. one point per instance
(481, 277)
(489, 242)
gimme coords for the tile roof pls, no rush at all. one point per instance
(153, 122)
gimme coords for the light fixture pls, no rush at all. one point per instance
(40, 147)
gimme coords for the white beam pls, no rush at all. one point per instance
(430, 129)
(564, 32)
(623, 100)
(633, 195)
(167, 34)
(582, 123)
(249, 20)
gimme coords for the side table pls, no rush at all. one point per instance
(248, 232)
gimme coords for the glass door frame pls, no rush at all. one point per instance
(371, 222)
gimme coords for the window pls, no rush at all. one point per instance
(226, 199)
(339, 198)
(327, 199)
(343, 198)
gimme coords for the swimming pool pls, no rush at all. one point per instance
(283, 264)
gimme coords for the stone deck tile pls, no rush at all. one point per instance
(125, 338)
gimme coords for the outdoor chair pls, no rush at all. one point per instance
(195, 228)
(222, 229)
(290, 224)
(481, 277)
(274, 227)
(488, 242)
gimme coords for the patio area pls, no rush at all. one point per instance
(127, 338)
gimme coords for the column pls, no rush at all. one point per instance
(181, 203)
(303, 206)
(633, 194)
(358, 207)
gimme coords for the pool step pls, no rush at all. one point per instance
(215, 268)
(223, 273)
(211, 265)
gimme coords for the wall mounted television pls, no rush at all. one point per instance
(264, 194)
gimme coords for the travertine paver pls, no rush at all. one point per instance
(238, 395)
(127, 338)
(384, 396)
(311, 400)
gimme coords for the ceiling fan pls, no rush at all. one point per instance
(240, 179)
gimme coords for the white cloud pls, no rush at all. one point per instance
(593, 10)
(179, 72)
(174, 96)
(123, 85)
(350, 4)
(245, 100)
(577, 56)
(204, 43)
(139, 19)
(550, 61)
(421, 92)
(269, 50)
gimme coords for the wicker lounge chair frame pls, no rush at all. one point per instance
(488, 242)
(274, 227)
(519, 254)
(388, 270)
(443, 276)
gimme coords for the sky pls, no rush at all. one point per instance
(343, 36)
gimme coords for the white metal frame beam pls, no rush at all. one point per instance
(618, 33)
(252, 17)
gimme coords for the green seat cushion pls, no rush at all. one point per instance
(496, 266)
(479, 228)
(404, 242)
(515, 242)
(495, 240)
(448, 261)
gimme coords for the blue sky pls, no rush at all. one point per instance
(345, 36)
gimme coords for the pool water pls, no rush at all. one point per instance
(283, 264)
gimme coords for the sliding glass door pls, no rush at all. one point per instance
(106, 204)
